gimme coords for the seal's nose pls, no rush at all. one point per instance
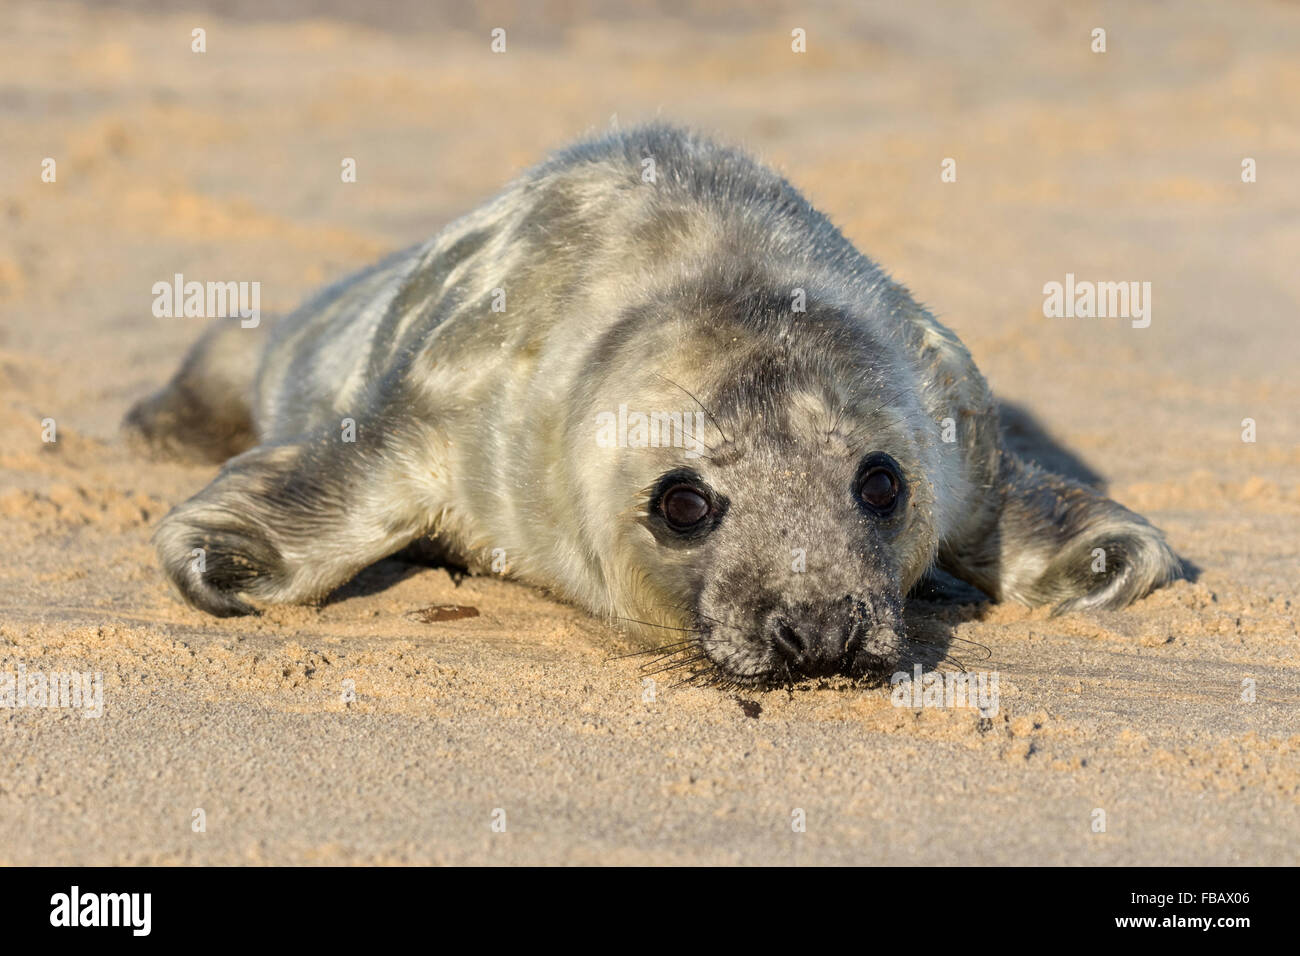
(809, 647)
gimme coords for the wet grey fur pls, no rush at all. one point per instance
(478, 427)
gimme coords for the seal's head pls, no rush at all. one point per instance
(783, 524)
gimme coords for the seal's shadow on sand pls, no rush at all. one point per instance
(1023, 434)
(396, 568)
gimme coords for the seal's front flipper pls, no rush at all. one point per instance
(1050, 540)
(290, 523)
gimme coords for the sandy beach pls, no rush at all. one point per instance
(360, 731)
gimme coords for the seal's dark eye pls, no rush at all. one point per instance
(879, 484)
(683, 507)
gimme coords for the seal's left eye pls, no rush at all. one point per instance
(879, 484)
(683, 507)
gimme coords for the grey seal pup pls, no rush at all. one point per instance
(650, 378)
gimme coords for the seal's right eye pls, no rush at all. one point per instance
(684, 507)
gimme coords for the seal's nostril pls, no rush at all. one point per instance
(787, 640)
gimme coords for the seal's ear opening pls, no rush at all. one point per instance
(1055, 541)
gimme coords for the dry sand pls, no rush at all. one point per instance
(225, 165)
